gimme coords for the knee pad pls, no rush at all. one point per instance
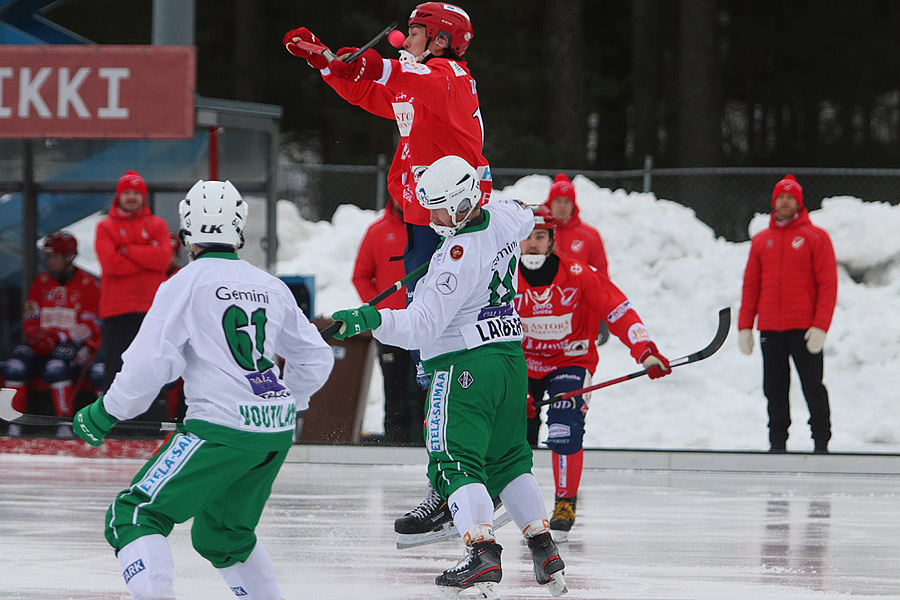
(56, 370)
(16, 369)
(148, 568)
(96, 374)
(253, 579)
(565, 429)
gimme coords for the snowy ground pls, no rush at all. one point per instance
(678, 275)
(640, 535)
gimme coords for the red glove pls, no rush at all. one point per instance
(314, 59)
(655, 363)
(530, 410)
(42, 342)
(367, 67)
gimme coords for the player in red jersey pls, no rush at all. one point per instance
(561, 302)
(60, 327)
(430, 94)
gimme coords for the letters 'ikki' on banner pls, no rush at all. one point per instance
(112, 92)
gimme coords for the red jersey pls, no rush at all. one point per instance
(576, 239)
(435, 106)
(133, 250)
(560, 320)
(66, 311)
(373, 270)
(791, 277)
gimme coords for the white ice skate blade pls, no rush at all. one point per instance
(559, 536)
(557, 584)
(446, 532)
(487, 590)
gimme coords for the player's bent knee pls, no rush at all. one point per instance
(564, 439)
(148, 568)
(253, 579)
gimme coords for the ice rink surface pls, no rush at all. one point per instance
(640, 535)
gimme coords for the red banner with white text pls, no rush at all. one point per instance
(111, 92)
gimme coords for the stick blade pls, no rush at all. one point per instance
(7, 412)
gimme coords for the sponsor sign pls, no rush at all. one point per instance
(111, 92)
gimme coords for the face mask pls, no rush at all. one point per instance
(533, 261)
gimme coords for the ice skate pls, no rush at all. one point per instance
(448, 531)
(480, 568)
(548, 566)
(431, 514)
(563, 518)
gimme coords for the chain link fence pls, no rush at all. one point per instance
(724, 198)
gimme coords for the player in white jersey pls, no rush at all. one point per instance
(463, 320)
(220, 324)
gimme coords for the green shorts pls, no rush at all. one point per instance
(223, 488)
(475, 419)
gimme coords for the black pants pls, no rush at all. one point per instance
(404, 400)
(777, 347)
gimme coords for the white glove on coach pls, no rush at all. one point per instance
(815, 340)
(745, 341)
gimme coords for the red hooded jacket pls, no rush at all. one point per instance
(133, 250)
(575, 238)
(791, 277)
(373, 270)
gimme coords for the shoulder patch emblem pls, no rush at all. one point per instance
(797, 242)
(456, 252)
(576, 269)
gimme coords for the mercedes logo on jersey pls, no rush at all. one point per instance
(446, 283)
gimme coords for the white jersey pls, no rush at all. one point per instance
(219, 323)
(465, 300)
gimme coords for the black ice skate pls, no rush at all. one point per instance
(480, 567)
(563, 518)
(430, 515)
(548, 566)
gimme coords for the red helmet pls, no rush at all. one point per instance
(60, 242)
(447, 20)
(543, 218)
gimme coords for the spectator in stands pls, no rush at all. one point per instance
(134, 250)
(790, 283)
(62, 332)
(374, 271)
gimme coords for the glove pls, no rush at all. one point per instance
(92, 423)
(356, 321)
(655, 363)
(367, 67)
(43, 342)
(815, 340)
(530, 410)
(745, 341)
(313, 59)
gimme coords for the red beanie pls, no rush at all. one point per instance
(788, 185)
(561, 186)
(131, 181)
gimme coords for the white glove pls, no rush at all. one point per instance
(745, 341)
(815, 340)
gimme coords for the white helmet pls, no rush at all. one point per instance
(213, 212)
(450, 182)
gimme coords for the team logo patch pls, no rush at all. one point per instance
(456, 252)
(133, 569)
(576, 269)
(797, 242)
(577, 245)
(239, 591)
(465, 379)
(446, 283)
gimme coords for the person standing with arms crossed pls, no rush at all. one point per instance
(221, 324)
(790, 290)
(462, 317)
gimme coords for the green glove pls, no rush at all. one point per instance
(356, 320)
(92, 423)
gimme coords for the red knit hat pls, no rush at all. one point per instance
(131, 181)
(788, 185)
(561, 186)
